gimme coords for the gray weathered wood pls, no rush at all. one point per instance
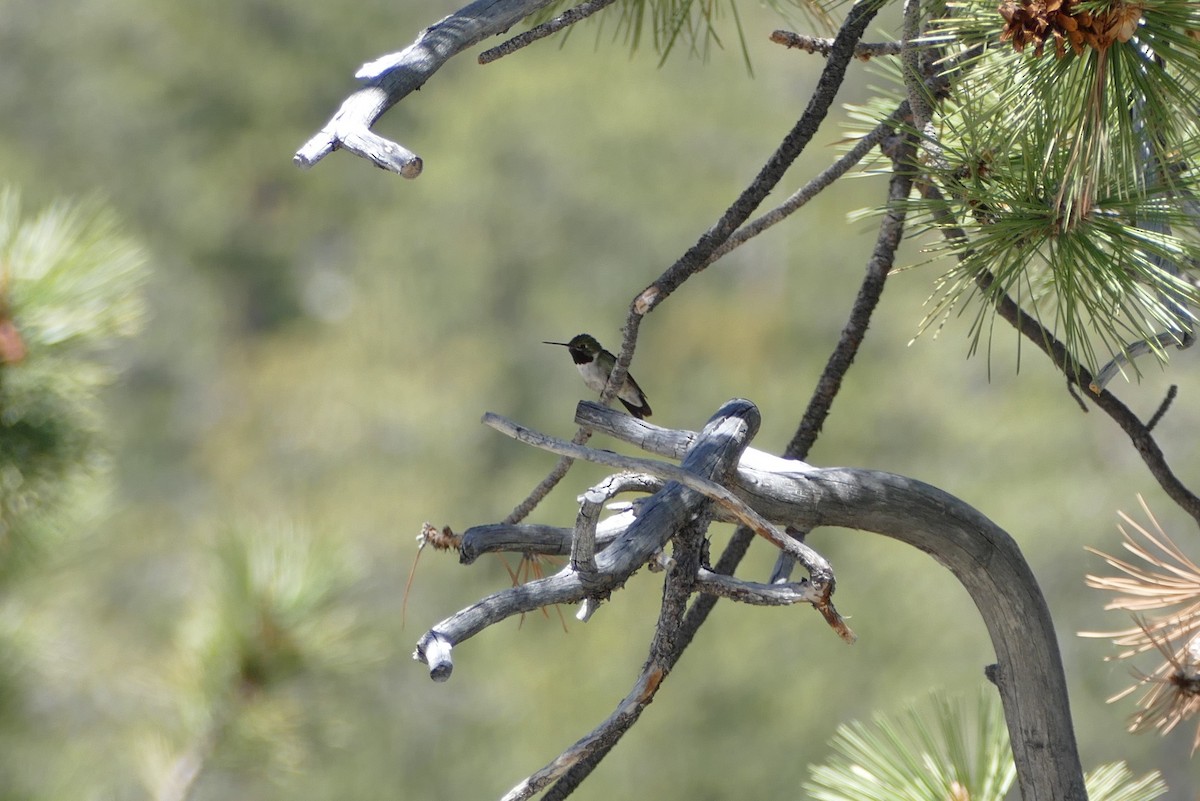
(981, 555)
(659, 516)
(756, 593)
(533, 538)
(990, 566)
(668, 442)
(819, 569)
(392, 77)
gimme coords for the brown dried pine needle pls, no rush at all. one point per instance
(1172, 691)
(1162, 578)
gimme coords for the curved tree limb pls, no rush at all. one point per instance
(990, 566)
(985, 560)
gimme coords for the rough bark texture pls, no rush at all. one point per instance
(981, 555)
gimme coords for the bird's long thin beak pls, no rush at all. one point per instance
(564, 344)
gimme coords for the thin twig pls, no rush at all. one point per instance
(751, 592)
(1163, 407)
(891, 231)
(823, 45)
(810, 190)
(834, 73)
(547, 484)
(698, 256)
(602, 737)
(882, 259)
(1083, 407)
(1134, 350)
(563, 20)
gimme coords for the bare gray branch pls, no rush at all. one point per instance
(393, 77)
(980, 554)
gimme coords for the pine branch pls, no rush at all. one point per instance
(1076, 373)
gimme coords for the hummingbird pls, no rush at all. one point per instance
(595, 364)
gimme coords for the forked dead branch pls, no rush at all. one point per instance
(596, 569)
(721, 477)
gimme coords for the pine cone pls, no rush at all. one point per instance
(1065, 23)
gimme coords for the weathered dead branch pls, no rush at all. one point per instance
(389, 79)
(982, 556)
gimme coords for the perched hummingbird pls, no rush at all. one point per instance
(595, 364)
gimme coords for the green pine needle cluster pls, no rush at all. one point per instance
(69, 287)
(937, 750)
(1076, 180)
(274, 611)
(1116, 782)
(944, 748)
(270, 620)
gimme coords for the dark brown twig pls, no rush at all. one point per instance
(563, 20)
(1083, 407)
(1138, 432)
(547, 484)
(699, 255)
(880, 264)
(811, 189)
(1163, 407)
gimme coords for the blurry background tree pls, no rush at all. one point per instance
(225, 619)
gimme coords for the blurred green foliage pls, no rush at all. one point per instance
(69, 287)
(322, 344)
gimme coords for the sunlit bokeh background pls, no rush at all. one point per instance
(321, 345)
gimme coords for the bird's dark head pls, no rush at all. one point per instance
(583, 347)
